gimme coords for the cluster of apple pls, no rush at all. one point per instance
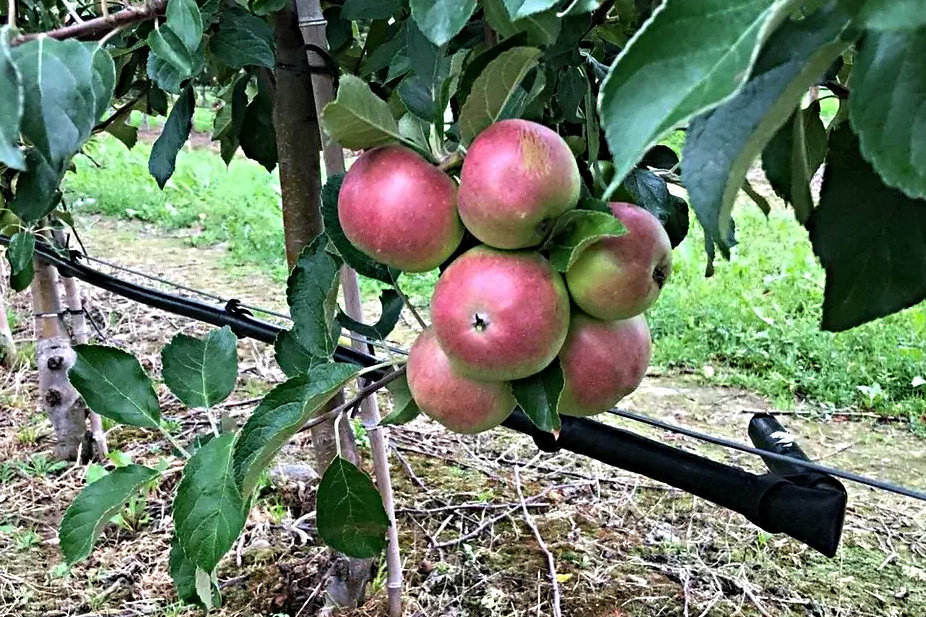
(500, 311)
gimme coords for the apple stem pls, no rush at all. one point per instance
(451, 161)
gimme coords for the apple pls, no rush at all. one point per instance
(399, 209)
(617, 278)
(517, 178)
(602, 362)
(461, 404)
(500, 315)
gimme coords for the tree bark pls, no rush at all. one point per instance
(7, 346)
(298, 146)
(54, 356)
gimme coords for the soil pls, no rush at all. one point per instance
(622, 545)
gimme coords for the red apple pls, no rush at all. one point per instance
(602, 361)
(399, 209)
(461, 404)
(500, 315)
(518, 177)
(617, 278)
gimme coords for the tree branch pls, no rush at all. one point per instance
(96, 28)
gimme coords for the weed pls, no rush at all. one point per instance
(28, 434)
(24, 539)
(40, 465)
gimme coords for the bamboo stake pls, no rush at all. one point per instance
(312, 24)
(7, 346)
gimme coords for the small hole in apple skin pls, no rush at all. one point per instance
(660, 274)
(480, 323)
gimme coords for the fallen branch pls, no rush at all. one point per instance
(551, 562)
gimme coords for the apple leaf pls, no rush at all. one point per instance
(19, 254)
(293, 358)
(494, 88)
(350, 514)
(370, 9)
(114, 385)
(208, 510)
(575, 231)
(889, 14)
(538, 395)
(163, 158)
(95, 505)
(11, 105)
(357, 118)
(441, 20)
(186, 574)
(888, 101)
(870, 238)
(721, 144)
(201, 372)
(312, 292)
(404, 408)
(391, 303)
(522, 8)
(793, 156)
(281, 414)
(667, 73)
(243, 39)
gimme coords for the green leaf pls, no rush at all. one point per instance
(890, 14)
(575, 231)
(167, 46)
(871, 240)
(357, 118)
(687, 58)
(650, 191)
(20, 251)
(281, 414)
(357, 260)
(267, 7)
(208, 511)
(441, 20)
(293, 358)
(167, 77)
(721, 144)
(114, 385)
(888, 104)
(243, 39)
(580, 7)
(65, 84)
(350, 514)
(522, 8)
(201, 372)
(312, 291)
(538, 396)
(124, 132)
(494, 88)
(415, 130)
(384, 55)
(176, 130)
(19, 254)
(184, 574)
(404, 408)
(257, 135)
(37, 188)
(541, 28)
(370, 9)
(185, 20)
(11, 105)
(95, 505)
(391, 303)
(793, 156)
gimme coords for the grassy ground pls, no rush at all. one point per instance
(755, 323)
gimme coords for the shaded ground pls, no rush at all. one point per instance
(623, 545)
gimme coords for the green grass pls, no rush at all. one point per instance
(755, 323)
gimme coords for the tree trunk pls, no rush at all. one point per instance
(7, 346)
(312, 23)
(80, 336)
(54, 356)
(298, 146)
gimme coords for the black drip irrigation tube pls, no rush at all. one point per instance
(804, 504)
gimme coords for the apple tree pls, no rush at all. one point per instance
(743, 79)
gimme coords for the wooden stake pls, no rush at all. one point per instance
(7, 346)
(312, 24)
